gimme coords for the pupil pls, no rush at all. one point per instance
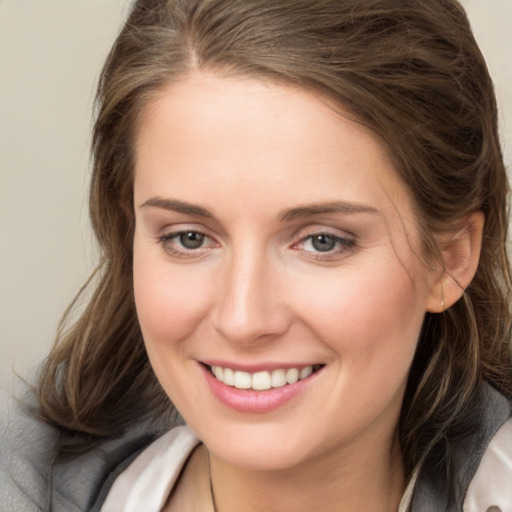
(191, 240)
(323, 243)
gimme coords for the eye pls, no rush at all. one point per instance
(186, 243)
(321, 245)
(191, 239)
(322, 242)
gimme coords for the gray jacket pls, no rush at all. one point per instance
(27, 485)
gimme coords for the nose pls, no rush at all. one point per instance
(250, 306)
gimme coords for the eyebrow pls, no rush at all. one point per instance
(177, 206)
(285, 216)
(322, 208)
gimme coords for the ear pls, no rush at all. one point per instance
(460, 252)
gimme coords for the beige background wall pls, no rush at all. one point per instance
(51, 52)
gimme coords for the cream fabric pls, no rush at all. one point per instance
(147, 482)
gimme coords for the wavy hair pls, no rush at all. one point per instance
(410, 71)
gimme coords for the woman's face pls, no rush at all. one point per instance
(275, 241)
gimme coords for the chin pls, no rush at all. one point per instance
(258, 447)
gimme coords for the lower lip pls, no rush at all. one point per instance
(250, 401)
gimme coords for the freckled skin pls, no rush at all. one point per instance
(258, 290)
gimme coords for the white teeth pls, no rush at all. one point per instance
(218, 371)
(278, 378)
(229, 377)
(305, 372)
(263, 380)
(243, 380)
(292, 375)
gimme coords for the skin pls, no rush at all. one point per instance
(257, 291)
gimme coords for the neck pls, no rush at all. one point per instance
(341, 482)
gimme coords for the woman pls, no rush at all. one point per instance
(302, 208)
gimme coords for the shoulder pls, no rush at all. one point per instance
(476, 463)
(492, 483)
(26, 446)
(29, 481)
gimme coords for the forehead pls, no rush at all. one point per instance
(265, 143)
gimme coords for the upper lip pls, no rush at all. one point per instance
(258, 367)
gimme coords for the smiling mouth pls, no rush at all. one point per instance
(263, 380)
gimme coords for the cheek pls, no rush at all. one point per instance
(371, 321)
(170, 302)
(368, 315)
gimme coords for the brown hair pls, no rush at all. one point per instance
(412, 72)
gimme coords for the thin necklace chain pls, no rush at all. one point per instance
(212, 495)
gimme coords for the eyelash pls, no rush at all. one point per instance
(341, 245)
(167, 243)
